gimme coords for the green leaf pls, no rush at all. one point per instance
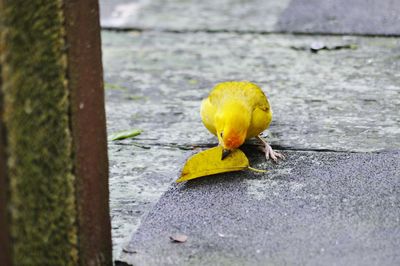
(125, 134)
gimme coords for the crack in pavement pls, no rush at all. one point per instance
(241, 32)
(207, 145)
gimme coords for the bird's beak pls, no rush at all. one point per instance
(225, 153)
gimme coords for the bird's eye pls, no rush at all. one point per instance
(221, 134)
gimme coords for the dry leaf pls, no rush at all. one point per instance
(209, 162)
(179, 238)
(126, 250)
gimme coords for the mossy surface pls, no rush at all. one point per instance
(36, 117)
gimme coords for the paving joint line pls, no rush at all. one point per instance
(276, 147)
(243, 32)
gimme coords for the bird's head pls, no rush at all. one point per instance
(232, 122)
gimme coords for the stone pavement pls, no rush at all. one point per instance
(257, 16)
(315, 209)
(336, 116)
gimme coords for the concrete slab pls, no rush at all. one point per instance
(379, 17)
(316, 208)
(225, 15)
(304, 16)
(345, 99)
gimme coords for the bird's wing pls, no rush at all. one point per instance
(262, 113)
(207, 112)
(260, 121)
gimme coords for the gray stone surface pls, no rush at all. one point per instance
(303, 16)
(342, 100)
(341, 17)
(314, 209)
(222, 15)
(346, 100)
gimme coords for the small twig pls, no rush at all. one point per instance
(257, 170)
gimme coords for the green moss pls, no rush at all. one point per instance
(36, 107)
(110, 86)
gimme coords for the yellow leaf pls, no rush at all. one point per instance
(209, 162)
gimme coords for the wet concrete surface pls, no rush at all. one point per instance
(313, 209)
(340, 100)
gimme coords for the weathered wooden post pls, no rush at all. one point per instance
(53, 151)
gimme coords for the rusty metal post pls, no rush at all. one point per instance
(85, 74)
(5, 241)
(53, 151)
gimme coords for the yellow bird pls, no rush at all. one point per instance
(235, 111)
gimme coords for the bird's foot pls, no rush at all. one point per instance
(269, 152)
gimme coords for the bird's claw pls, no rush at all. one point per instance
(270, 153)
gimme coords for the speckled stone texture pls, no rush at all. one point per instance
(341, 100)
(222, 15)
(377, 17)
(314, 209)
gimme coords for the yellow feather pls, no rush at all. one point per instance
(237, 109)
